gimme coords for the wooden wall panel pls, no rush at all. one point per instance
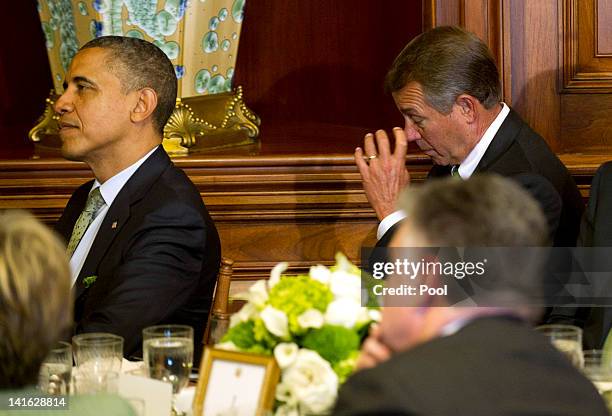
(583, 68)
(323, 61)
(604, 27)
(586, 124)
(534, 66)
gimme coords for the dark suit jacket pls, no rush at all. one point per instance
(491, 367)
(520, 153)
(156, 256)
(595, 231)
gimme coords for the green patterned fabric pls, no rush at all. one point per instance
(92, 206)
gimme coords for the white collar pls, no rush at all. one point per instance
(110, 189)
(469, 164)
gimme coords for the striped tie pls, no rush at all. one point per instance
(93, 204)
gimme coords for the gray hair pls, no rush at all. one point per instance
(447, 61)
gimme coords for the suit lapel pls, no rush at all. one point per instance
(119, 213)
(506, 134)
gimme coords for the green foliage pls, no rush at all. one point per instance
(334, 343)
(251, 336)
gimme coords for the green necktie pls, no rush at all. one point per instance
(93, 204)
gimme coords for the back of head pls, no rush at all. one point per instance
(499, 224)
(139, 64)
(447, 61)
(35, 300)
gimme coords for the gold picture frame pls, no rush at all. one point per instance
(253, 381)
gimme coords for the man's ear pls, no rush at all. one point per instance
(145, 105)
(467, 107)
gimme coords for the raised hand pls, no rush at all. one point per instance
(384, 174)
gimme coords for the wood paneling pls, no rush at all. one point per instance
(604, 27)
(534, 66)
(584, 70)
(323, 61)
(586, 125)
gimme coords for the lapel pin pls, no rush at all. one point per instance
(114, 225)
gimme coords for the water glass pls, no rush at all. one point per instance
(85, 382)
(55, 372)
(168, 355)
(567, 339)
(97, 353)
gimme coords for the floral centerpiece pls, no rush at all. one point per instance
(313, 325)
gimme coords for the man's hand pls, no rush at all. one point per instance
(373, 351)
(384, 173)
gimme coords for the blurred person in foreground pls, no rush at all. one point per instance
(431, 358)
(34, 314)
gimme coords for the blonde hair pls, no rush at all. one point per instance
(35, 298)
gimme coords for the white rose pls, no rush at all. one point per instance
(312, 318)
(320, 273)
(276, 272)
(258, 294)
(345, 312)
(345, 285)
(285, 354)
(275, 321)
(312, 381)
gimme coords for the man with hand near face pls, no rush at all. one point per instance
(143, 248)
(431, 358)
(446, 85)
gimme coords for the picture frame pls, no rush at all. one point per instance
(235, 383)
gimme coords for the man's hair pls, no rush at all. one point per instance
(493, 218)
(139, 64)
(35, 298)
(447, 61)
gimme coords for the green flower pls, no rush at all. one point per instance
(333, 342)
(296, 295)
(251, 336)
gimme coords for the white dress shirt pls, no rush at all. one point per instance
(466, 168)
(109, 191)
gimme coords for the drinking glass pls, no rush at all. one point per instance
(94, 383)
(55, 372)
(168, 355)
(567, 339)
(97, 353)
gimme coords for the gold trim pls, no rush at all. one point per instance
(47, 123)
(268, 388)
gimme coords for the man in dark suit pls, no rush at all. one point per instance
(430, 358)
(446, 85)
(144, 250)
